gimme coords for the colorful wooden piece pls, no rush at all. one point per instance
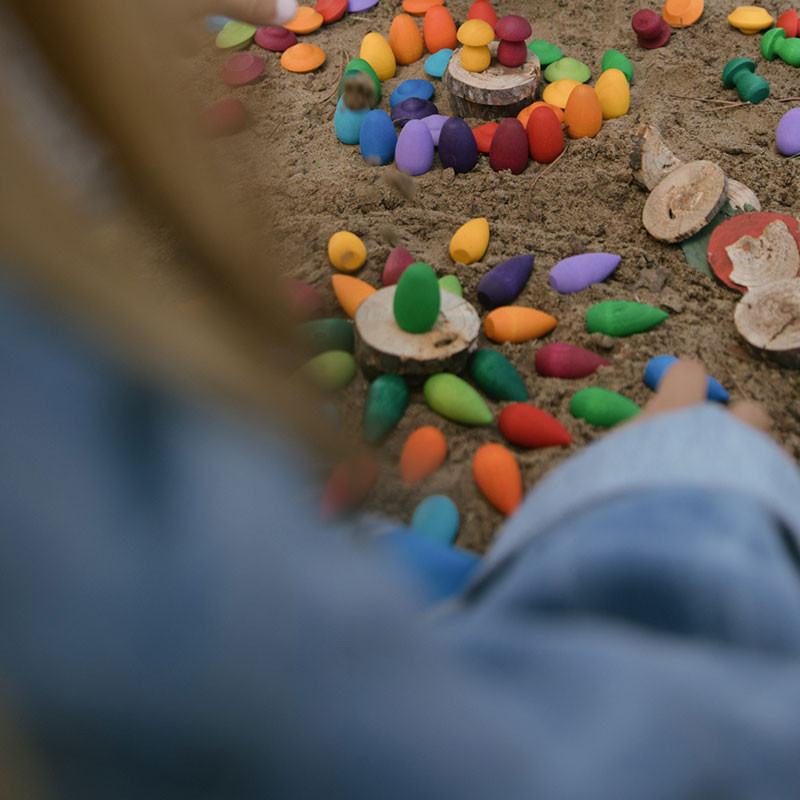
(439, 30)
(787, 134)
(436, 64)
(455, 399)
(526, 425)
(602, 407)
(330, 10)
(557, 94)
(496, 376)
(331, 370)
(774, 44)
(682, 13)
(423, 453)
(741, 73)
(414, 151)
(509, 148)
(350, 292)
(546, 53)
(652, 31)
(623, 318)
(348, 486)
(457, 146)
(517, 324)
(545, 135)
(275, 38)
(657, 367)
(305, 20)
(412, 108)
(418, 299)
(412, 87)
(567, 68)
(386, 402)
(235, 35)
(346, 251)
(484, 134)
(396, 264)
(576, 273)
(483, 9)
(561, 360)
(498, 477)
(405, 39)
(436, 518)
(502, 284)
(750, 19)
(614, 59)
(304, 300)
(377, 139)
(303, 57)
(375, 50)
(583, 114)
(470, 241)
(614, 93)
(322, 335)
(450, 283)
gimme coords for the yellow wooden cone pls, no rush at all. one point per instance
(517, 324)
(470, 241)
(350, 292)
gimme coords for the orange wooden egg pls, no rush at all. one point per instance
(302, 57)
(405, 39)
(439, 30)
(305, 20)
(525, 114)
(347, 486)
(497, 474)
(517, 324)
(419, 7)
(350, 292)
(423, 453)
(583, 115)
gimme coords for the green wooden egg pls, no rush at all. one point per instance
(331, 370)
(613, 59)
(623, 318)
(417, 299)
(455, 399)
(495, 375)
(387, 399)
(451, 284)
(322, 335)
(602, 407)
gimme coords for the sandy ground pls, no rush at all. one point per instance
(308, 185)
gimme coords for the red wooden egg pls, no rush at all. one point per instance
(482, 9)
(528, 426)
(545, 135)
(484, 134)
(560, 360)
(789, 22)
(224, 118)
(512, 54)
(509, 149)
(331, 10)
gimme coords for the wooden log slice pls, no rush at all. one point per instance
(685, 201)
(382, 346)
(768, 318)
(498, 91)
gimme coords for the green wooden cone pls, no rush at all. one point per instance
(330, 371)
(623, 318)
(613, 59)
(455, 399)
(386, 403)
(602, 407)
(417, 299)
(451, 284)
(496, 377)
(322, 335)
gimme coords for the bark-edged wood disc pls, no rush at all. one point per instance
(382, 346)
(685, 201)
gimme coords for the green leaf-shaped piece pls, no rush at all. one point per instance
(417, 299)
(602, 407)
(623, 318)
(322, 335)
(330, 371)
(386, 403)
(451, 284)
(496, 377)
(455, 399)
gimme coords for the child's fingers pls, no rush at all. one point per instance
(684, 384)
(753, 414)
(257, 12)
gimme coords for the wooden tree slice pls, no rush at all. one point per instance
(768, 317)
(382, 346)
(685, 201)
(771, 257)
(498, 91)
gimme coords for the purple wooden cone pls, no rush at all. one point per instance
(559, 360)
(578, 272)
(413, 108)
(397, 262)
(501, 284)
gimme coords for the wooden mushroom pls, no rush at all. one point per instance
(475, 35)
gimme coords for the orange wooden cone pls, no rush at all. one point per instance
(517, 324)
(498, 477)
(347, 486)
(423, 453)
(350, 292)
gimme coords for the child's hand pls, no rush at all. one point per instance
(257, 12)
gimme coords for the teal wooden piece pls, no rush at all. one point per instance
(436, 517)
(417, 299)
(322, 335)
(496, 377)
(387, 400)
(623, 318)
(602, 407)
(740, 73)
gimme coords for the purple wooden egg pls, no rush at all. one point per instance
(397, 262)
(512, 28)
(512, 54)
(414, 151)
(274, 38)
(413, 108)
(787, 135)
(559, 360)
(578, 272)
(435, 123)
(501, 284)
(457, 146)
(509, 148)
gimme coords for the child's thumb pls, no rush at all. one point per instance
(258, 12)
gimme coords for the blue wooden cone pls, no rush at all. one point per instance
(501, 284)
(656, 367)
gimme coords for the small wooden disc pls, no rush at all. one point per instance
(685, 201)
(382, 346)
(498, 91)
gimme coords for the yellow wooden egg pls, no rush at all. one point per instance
(750, 19)
(475, 59)
(558, 92)
(470, 241)
(346, 251)
(375, 50)
(613, 93)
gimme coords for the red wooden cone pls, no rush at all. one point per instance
(527, 426)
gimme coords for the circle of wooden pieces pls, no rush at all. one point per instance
(768, 317)
(382, 346)
(738, 233)
(685, 201)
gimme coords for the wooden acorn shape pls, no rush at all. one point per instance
(470, 241)
(455, 399)
(321, 335)
(495, 376)
(545, 135)
(436, 518)
(560, 360)
(346, 251)
(774, 44)
(450, 283)
(576, 273)
(387, 400)
(602, 407)
(375, 50)
(502, 284)
(656, 367)
(652, 31)
(439, 30)
(623, 318)
(423, 453)
(405, 39)
(509, 148)
(583, 115)
(417, 299)
(741, 73)
(330, 371)
(304, 301)
(396, 264)
(457, 146)
(348, 486)
(498, 477)
(528, 426)
(350, 292)
(517, 324)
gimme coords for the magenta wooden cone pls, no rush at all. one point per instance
(501, 284)
(304, 300)
(560, 360)
(397, 262)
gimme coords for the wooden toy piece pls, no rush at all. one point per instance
(475, 35)
(330, 371)
(658, 366)
(512, 31)
(455, 399)
(560, 360)
(330, 10)
(790, 23)
(346, 251)
(502, 284)
(304, 301)
(439, 30)
(483, 9)
(360, 86)
(682, 13)
(470, 241)
(517, 324)
(305, 20)
(458, 147)
(509, 148)
(223, 118)
(405, 39)
(484, 134)
(423, 453)
(235, 35)
(546, 53)
(475, 59)
(740, 72)
(303, 58)
(214, 23)
(768, 318)
(377, 138)
(350, 292)
(583, 115)
(436, 64)
(414, 152)
(321, 335)
(275, 38)
(387, 400)
(774, 44)
(576, 273)
(348, 486)
(412, 108)
(750, 19)
(613, 59)
(613, 93)
(652, 31)
(396, 264)
(685, 201)
(357, 6)
(436, 518)
(567, 68)
(602, 407)
(495, 376)
(498, 477)
(376, 52)
(382, 346)
(347, 123)
(417, 299)
(545, 135)
(526, 425)
(526, 112)
(450, 283)
(418, 8)
(557, 94)
(623, 318)
(771, 257)
(739, 237)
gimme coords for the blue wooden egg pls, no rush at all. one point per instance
(413, 87)
(377, 139)
(437, 518)
(457, 146)
(656, 367)
(436, 63)
(347, 123)
(414, 153)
